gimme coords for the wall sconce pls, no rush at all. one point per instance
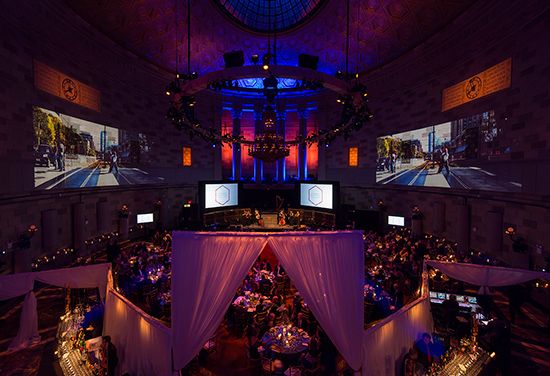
(416, 213)
(123, 211)
(510, 231)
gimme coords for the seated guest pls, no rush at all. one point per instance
(300, 322)
(270, 321)
(424, 347)
(279, 270)
(411, 365)
(265, 285)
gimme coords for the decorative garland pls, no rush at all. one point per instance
(181, 113)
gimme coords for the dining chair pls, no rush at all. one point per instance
(267, 365)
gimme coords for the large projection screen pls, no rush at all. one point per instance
(316, 195)
(221, 195)
(467, 153)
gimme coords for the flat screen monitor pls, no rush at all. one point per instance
(441, 295)
(396, 221)
(221, 195)
(145, 218)
(433, 294)
(472, 299)
(317, 195)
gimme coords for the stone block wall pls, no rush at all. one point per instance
(406, 94)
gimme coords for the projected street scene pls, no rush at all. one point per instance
(458, 154)
(75, 153)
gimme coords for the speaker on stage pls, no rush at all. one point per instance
(308, 61)
(233, 59)
(189, 217)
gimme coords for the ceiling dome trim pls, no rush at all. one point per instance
(253, 15)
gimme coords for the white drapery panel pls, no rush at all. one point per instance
(207, 269)
(328, 270)
(386, 343)
(485, 275)
(80, 277)
(28, 324)
(12, 285)
(143, 343)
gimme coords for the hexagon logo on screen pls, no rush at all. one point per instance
(315, 195)
(222, 195)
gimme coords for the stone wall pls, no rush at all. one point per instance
(406, 94)
(131, 90)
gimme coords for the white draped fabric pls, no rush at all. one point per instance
(143, 343)
(328, 270)
(207, 269)
(28, 324)
(485, 275)
(80, 277)
(386, 343)
(13, 285)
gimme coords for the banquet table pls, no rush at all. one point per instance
(286, 340)
(249, 301)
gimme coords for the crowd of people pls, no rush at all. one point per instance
(267, 302)
(142, 273)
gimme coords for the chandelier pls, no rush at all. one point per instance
(269, 146)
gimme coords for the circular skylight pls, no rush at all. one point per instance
(269, 15)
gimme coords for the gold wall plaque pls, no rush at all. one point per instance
(59, 84)
(496, 78)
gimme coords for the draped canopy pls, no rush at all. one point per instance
(207, 268)
(14, 285)
(485, 275)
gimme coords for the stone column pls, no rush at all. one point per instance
(281, 130)
(236, 163)
(258, 128)
(438, 223)
(123, 228)
(49, 230)
(416, 227)
(494, 233)
(302, 148)
(79, 227)
(103, 217)
(463, 227)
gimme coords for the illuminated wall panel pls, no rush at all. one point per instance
(187, 162)
(353, 157)
(247, 130)
(227, 151)
(313, 150)
(292, 130)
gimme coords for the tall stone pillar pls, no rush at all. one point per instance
(79, 227)
(463, 227)
(104, 218)
(258, 128)
(302, 148)
(123, 228)
(50, 227)
(417, 227)
(438, 223)
(236, 162)
(281, 130)
(495, 232)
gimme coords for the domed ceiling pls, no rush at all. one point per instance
(380, 30)
(269, 15)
